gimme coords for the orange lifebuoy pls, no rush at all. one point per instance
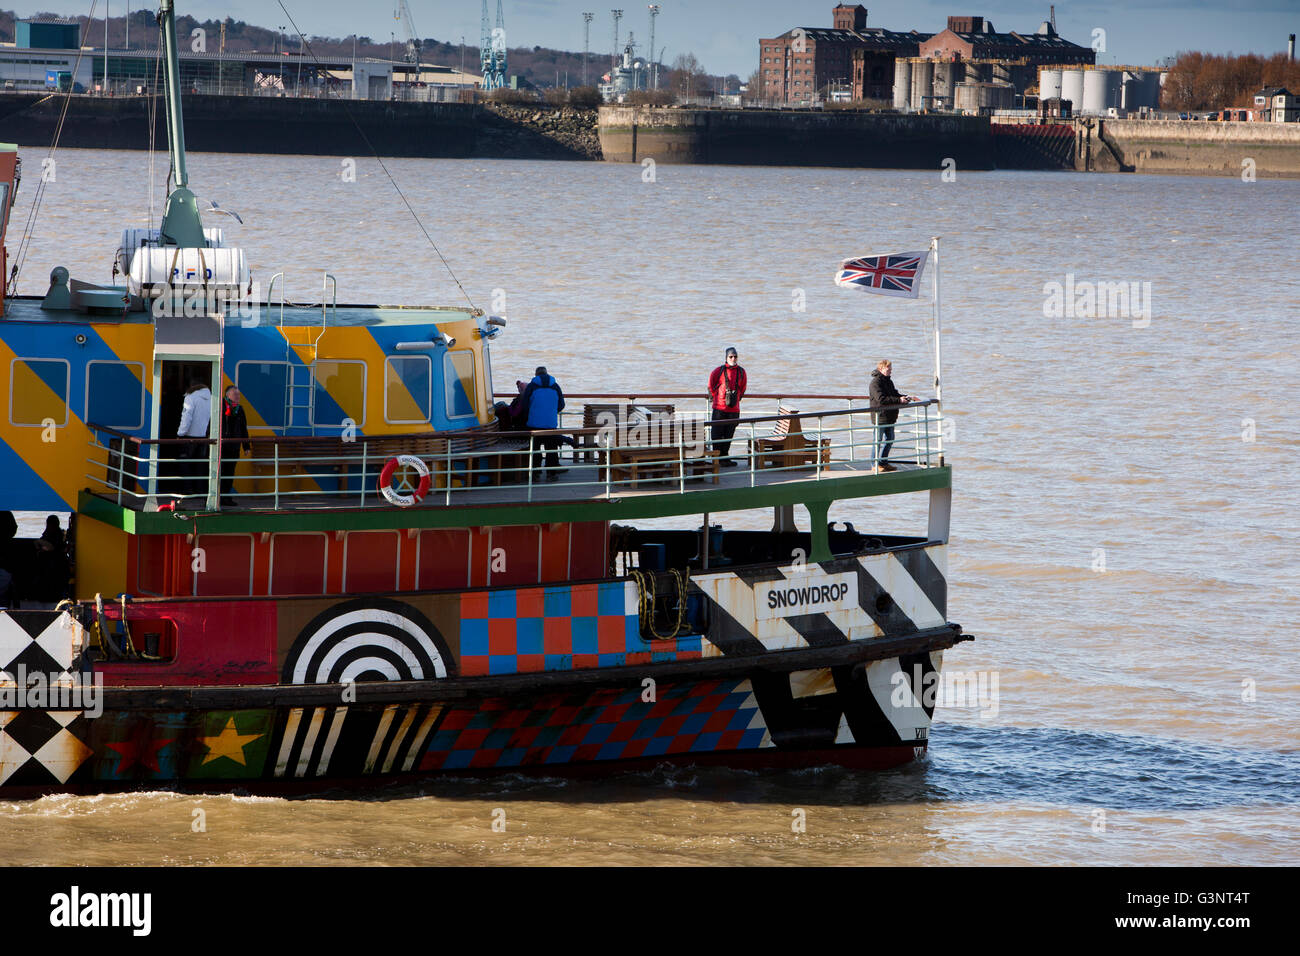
(386, 480)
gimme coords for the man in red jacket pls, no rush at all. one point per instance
(726, 389)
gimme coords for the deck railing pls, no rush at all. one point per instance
(617, 454)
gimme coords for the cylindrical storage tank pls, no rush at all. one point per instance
(1072, 87)
(1130, 92)
(922, 83)
(1049, 84)
(975, 97)
(945, 75)
(902, 84)
(1094, 92)
(1002, 73)
(978, 72)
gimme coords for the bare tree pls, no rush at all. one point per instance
(687, 76)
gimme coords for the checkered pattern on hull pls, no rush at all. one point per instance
(561, 628)
(40, 747)
(704, 717)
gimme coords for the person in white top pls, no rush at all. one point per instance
(196, 419)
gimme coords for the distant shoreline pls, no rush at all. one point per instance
(848, 139)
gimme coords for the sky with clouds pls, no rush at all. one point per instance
(724, 34)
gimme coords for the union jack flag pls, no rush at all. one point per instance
(898, 275)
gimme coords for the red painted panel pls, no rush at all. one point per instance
(555, 552)
(151, 558)
(226, 560)
(370, 561)
(217, 642)
(514, 548)
(444, 560)
(589, 550)
(297, 563)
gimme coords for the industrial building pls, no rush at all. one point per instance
(798, 65)
(1103, 91)
(968, 66)
(47, 54)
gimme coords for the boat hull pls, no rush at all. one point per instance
(859, 704)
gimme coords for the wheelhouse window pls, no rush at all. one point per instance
(115, 393)
(38, 392)
(340, 393)
(408, 389)
(458, 382)
(263, 387)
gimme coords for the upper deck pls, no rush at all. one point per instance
(621, 457)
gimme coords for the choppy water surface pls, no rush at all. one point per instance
(1127, 560)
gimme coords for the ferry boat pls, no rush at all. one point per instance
(397, 585)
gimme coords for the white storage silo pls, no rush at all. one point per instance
(1072, 87)
(902, 84)
(1094, 92)
(922, 83)
(1049, 84)
(945, 82)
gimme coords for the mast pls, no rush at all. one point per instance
(181, 225)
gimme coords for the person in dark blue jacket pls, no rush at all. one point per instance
(543, 402)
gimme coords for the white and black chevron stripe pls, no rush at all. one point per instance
(898, 593)
(308, 739)
(400, 737)
(351, 741)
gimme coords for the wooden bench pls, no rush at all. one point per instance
(788, 447)
(663, 462)
(603, 415)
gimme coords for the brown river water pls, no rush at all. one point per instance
(1124, 542)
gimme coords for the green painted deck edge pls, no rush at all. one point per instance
(437, 516)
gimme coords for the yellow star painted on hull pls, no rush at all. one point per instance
(229, 743)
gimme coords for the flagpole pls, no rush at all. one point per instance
(938, 359)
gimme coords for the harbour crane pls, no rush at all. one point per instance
(492, 49)
(403, 13)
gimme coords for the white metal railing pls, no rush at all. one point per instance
(661, 453)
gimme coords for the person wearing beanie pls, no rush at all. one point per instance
(726, 389)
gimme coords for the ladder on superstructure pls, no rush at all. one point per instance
(301, 349)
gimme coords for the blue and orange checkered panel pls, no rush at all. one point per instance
(704, 717)
(561, 628)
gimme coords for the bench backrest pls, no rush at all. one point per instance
(786, 427)
(620, 412)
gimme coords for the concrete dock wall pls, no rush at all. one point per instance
(794, 138)
(1203, 148)
(315, 127)
(247, 124)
